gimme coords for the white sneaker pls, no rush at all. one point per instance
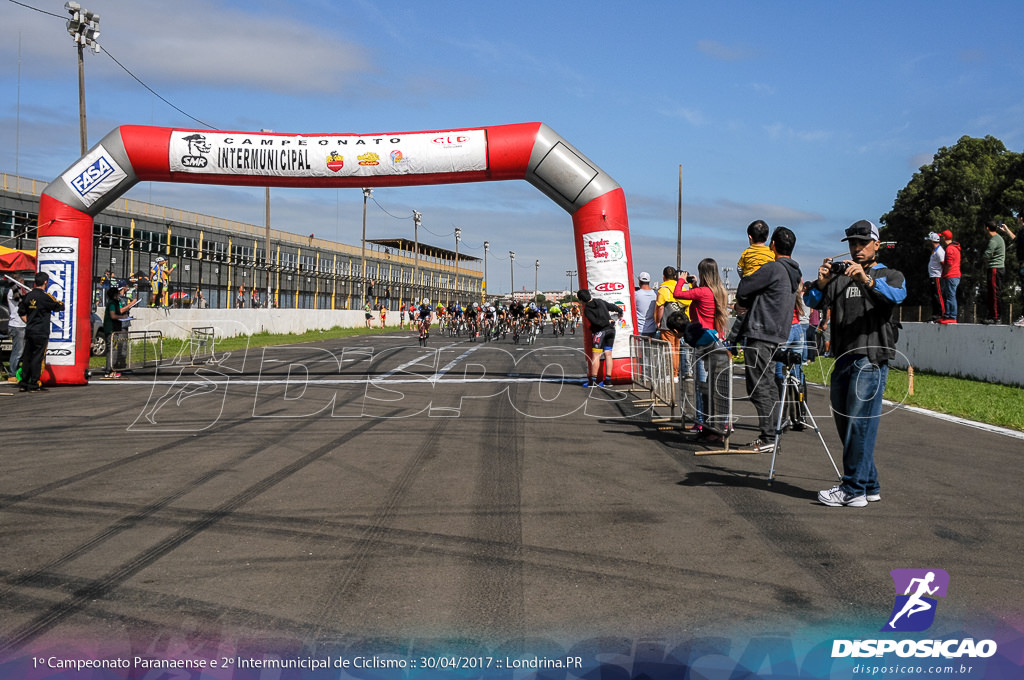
(836, 497)
(1019, 322)
(873, 497)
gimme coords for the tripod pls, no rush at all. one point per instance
(793, 396)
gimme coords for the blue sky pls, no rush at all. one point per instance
(806, 114)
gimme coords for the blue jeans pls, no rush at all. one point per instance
(798, 341)
(949, 287)
(17, 346)
(856, 397)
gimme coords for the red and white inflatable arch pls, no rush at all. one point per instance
(133, 153)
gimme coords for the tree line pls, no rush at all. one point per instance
(965, 186)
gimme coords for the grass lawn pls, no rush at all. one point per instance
(172, 347)
(994, 404)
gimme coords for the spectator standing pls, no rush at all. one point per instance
(935, 261)
(768, 296)
(709, 308)
(35, 309)
(995, 268)
(369, 293)
(240, 298)
(15, 325)
(113, 314)
(864, 301)
(665, 305)
(797, 343)
(646, 302)
(254, 298)
(602, 331)
(950, 276)
(1018, 241)
(368, 311)
(160, 274)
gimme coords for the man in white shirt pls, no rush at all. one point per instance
(938, 256)
(646, 300)
(15, 327)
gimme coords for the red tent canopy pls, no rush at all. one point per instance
(17, 260)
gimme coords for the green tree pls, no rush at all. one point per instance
(963, 187)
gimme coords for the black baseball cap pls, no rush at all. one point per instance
(862, 230)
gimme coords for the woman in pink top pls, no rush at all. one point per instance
(710, 301)
(709, 308)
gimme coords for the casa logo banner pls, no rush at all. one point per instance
(260, 154)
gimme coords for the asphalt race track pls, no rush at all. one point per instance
(368, 491)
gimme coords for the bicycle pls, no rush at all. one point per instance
(424, 326)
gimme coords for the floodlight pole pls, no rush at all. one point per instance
(536, 274)
(367, 194)
(83, 136)
(83, 27)
(512, 272)
(487, 247)
(458, 238)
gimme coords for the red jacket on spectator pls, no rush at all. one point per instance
(951, 265)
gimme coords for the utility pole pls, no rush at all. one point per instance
(571, 273)
(417, 217)
(679, 223)
(266, 246)
(84, 28)
(536, 275)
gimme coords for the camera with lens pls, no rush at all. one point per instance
(787, 356)
(838, 267)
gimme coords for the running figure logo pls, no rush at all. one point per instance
(914, 610)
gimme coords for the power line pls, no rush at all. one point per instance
(154, 92)
(137, 79)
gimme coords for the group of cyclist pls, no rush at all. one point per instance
(490, 321)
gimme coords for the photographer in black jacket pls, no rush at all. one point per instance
(768, 294)
(863, 296)
(35, 309)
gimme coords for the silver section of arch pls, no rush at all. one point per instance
(563, 174)
(97, 179)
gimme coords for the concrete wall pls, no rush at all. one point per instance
(993, 354)
(176, 323)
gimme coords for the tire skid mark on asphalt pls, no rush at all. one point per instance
(498, 602)
(561, 562)
(133, 519)
(843, 578)
(56, 484)
(335, 606)
(213, 616)
(99, 588)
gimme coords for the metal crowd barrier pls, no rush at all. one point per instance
(715, 390)
(201, 344)
(652, 373)
(136, 349)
